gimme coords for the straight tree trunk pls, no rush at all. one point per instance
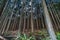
(48, 22)
(32, 27)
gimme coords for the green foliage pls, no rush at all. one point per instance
(43, 32)
(47, 38)
(57, 6)
(24, 37)
(44, 35)
(58, 35)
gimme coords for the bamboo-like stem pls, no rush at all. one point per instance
(24, 25)
(4, 26)
(53, 18)
(37, 23)
(28, 24)
(54, 13)
(13, 27)
(32, 27)
(2, 15)
(9, 22)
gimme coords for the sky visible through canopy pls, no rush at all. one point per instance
(53, 1)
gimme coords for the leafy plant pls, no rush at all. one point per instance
(58, 35)
(47, 38)
(57, 5)
(24, 37)
(44, 35)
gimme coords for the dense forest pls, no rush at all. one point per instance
(30, 19)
